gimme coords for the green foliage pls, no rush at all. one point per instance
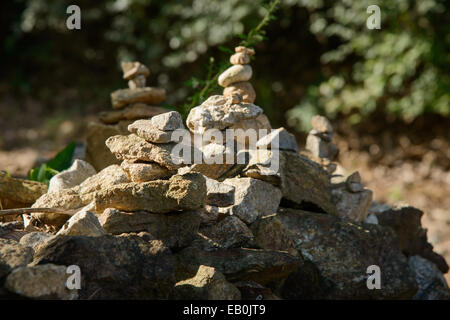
(399, 68)
(60, 162)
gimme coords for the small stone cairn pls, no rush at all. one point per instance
(135, 102)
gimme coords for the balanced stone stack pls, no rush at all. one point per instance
(250, 230)
(235, 79)
(319, 142)
(135, 102)
(155, 136)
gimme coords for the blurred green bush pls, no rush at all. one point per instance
(320, 57)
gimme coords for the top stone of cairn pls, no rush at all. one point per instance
(134, 69)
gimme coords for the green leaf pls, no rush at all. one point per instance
(225, 49)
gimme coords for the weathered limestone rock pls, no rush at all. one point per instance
(208, 284)
(13, 255)
(143, 172)
(279, 139)
(134, 148)
(240, 58)
(321, 124)
(244, 89)
(262, 266)
(137, 82)
(114, 267)
(78, 172)
(261, 122)
(97, 153)
(412, 238)
(134, 69)
(133, 112)
(253, 198)
(229, 232)
(353, 183)
(83, 223)
(19, 193)
(78, 196)
(351, 205)
(167, 121)
(431, 282)
(320, 147)
(236, 73)
(34, 239)
(342, 251)
(242, 49)
(123, 97)
(180, 192)
(47, 281)
(219, 194)
(208, 214)
(271, 234)
(175, 230)
(218, 112)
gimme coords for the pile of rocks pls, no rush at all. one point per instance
(156, 228)
(130, 104)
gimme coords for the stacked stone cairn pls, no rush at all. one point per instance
(155, 228)
(135, 102)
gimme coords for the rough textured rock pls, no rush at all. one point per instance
(279, 139)
(134, 148)
(321, 124)
(240, 58)
(122, 97)
(213, 171)
(342, 251)
(271, 234)
(114, 267)
(82, 223)
(218, 112)
(219, 194)
(46, 281)
(65, 199)
(180, 192)
(244, 89)
(175, 230)
(412, 238)
(167, 121)
(305, 183)
(207, 284)
(351, 205)
(319, 147)
(79, 196)
(259, 123)
(431, 282)
(208, 214)
(19, 193)
(236, 73)
(133, 112)
(253, 198)
(229, 232)
(133, 69)
(34, 239)
(145, 130)
(143, 172)
(13, 255)
(97, 153)
(263, 266)
(78, 172)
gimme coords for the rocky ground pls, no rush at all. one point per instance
(141, 225)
